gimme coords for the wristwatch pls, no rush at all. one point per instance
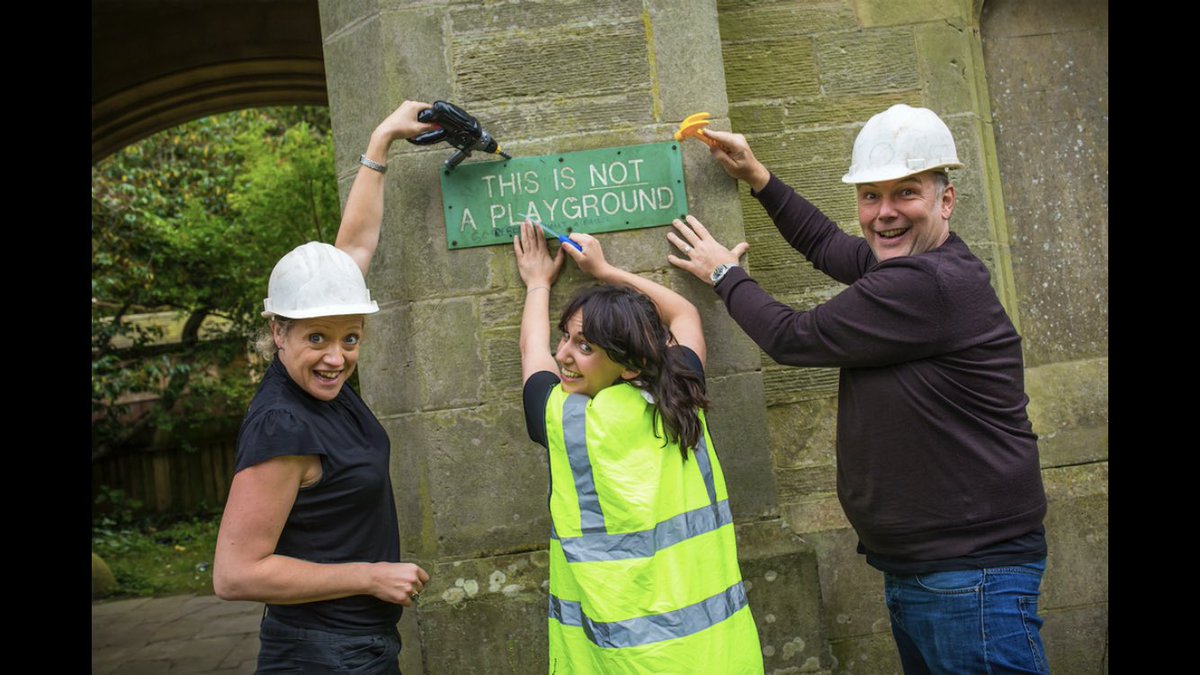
(719, 273)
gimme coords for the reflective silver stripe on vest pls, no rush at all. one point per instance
(591, 518)
(705, 466)
(656, 627)
(596, 544)
(566, 612)
(595, 547)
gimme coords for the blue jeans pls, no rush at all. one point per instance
(286, 649)
(969, 621)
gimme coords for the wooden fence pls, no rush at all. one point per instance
(171, 480)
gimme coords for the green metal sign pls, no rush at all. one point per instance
(603, 190)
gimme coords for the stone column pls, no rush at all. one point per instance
(441, 367)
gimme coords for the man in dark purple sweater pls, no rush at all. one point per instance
(937, 461)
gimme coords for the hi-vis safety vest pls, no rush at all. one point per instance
(644, 576)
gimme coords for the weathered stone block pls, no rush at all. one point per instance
(757, 117)
(770, 69)
(1068, 406)
(730, 350)
(1059, 236)
(816, 513)
(1076, 640)
(353, 65)
(803, 433)
(536, 18)
(1077, 540)
(851, 590)
(606, 56)
(1049, 77)
(780, 574)
(753, 19)
(502, 366)
(412, 654)
(795, 484)
(386, 360)
(949, 71)
(788, 384)
(885, 13)
(685, 53)
(870, 654)
(426, 355)
(737, 424)
(852, 110)
(1048, 89)
(486, 615)
(464, 465)
(337, 17)
(415, 46)
(867, 61)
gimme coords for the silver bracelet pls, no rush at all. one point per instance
(530, 290)
(381, 168)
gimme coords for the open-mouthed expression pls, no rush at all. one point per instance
(320, 353)
(904, 216)
(583, 367)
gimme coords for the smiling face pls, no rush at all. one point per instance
(320, 354)
(906, 216)
(583, 367)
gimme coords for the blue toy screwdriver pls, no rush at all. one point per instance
(552, 233)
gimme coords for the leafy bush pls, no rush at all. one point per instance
(158, 556)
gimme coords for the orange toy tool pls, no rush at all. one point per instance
(692, 126)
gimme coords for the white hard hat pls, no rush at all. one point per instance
(317, 279)
(901, 141)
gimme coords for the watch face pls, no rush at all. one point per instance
(719, 273)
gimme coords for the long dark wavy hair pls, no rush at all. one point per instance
(625, 323)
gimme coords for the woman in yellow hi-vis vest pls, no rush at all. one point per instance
(644, 575)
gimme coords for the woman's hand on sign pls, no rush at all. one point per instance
(591, 258)
(534, 263)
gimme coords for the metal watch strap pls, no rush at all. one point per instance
(370, 164)
(720, 272)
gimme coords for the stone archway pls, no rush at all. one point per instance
(159, 63)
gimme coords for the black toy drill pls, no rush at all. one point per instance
(458, 129)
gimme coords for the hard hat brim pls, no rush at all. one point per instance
(892, 173)
(328, 310)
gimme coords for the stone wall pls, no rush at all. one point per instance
(1047, 72)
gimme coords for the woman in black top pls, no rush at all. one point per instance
(310, 524)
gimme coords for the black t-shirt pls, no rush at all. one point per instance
(349, 515)
(539, 385)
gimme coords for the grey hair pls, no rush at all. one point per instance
(264, 340)
(941, 181)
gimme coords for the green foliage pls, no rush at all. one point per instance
(117, 509)
(191, 221)
(157, 556)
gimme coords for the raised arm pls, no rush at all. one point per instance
(246, 567)
(735, 156)
(358, 234)
(680, 315)
(539, 272)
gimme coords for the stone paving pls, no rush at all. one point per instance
(179, 634)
